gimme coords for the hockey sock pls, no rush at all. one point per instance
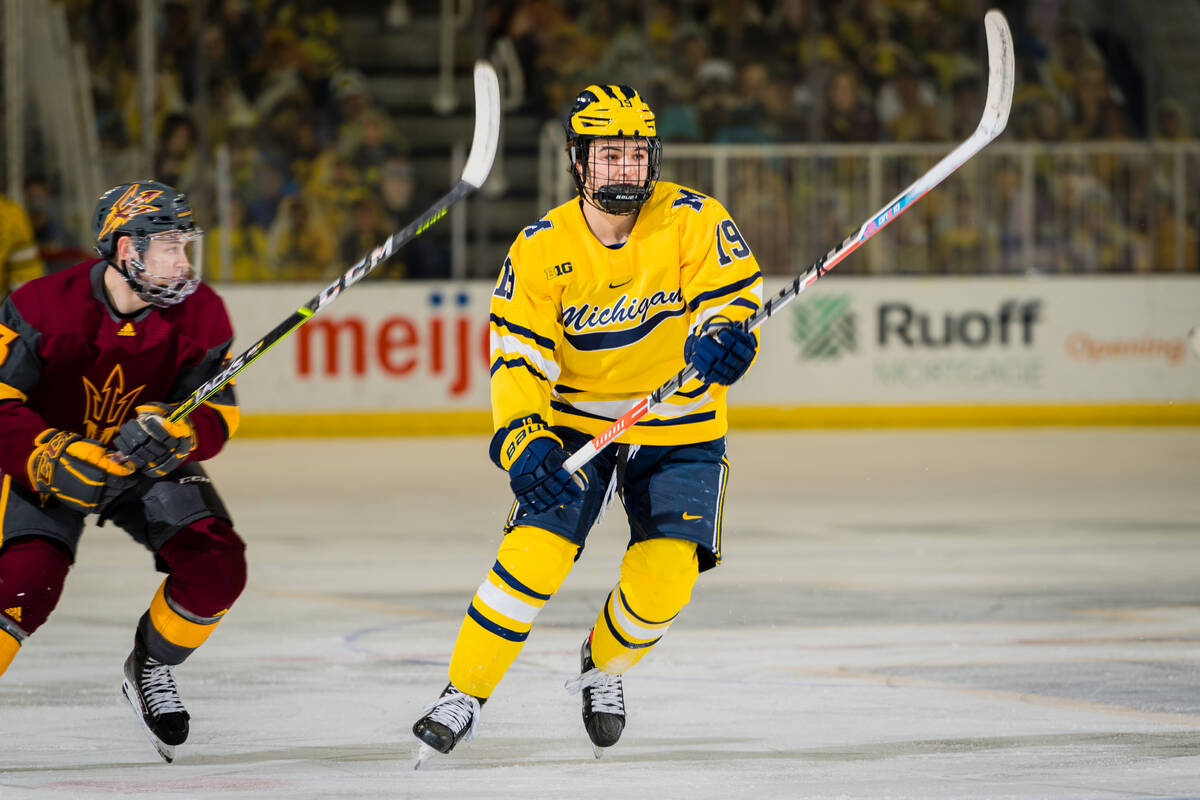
(207, 571)
(171, 633)
(530, 566)
(657, 576)
(9, 645)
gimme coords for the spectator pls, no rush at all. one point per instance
(367, 229)
(300, 245)
(422, 257)
(1167, 234)
(963, 246)
(746, 121)
(907, 107)
(1089, 98)
(847, 116)
(715, 99)
(1171, 121)
(175, 158)
(247, 249)
(19, 259)
(377, 142)
(45, 217)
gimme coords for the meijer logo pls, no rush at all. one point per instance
(399, 346)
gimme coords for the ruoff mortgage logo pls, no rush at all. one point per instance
(825, 328)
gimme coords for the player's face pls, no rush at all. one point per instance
(169, 257)
(618, 160)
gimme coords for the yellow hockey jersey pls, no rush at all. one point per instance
(580, 331)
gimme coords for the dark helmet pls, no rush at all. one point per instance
(146, 210)
(612, 111)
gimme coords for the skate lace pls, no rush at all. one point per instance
(456, 711)
(159, 690)
(607, 695)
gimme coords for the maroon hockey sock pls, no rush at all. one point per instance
(206, 563)
(32, 571)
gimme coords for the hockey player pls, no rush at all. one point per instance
(597, 304)
(91, 358)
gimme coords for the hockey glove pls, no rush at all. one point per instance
(77, 472)
(534, 459)
(152, 443)
(721, 352)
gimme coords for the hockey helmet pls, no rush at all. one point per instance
(144, 211)
(612, 111)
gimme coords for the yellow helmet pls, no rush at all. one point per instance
(606, 112)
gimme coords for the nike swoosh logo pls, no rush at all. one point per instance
(693, 516)
(612, 285)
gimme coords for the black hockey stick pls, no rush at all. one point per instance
(995, 117)
(479, 164)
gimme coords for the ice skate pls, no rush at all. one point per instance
(450, 719)
(149, 687)
(603, 701)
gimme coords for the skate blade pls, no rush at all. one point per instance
(424, 753)
(598, 751)
(165, 751)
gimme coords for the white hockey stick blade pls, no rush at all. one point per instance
(1001, 74)
(487, 125)
(1001, 77)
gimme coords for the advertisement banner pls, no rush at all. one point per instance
(980, 340)
(847, 341)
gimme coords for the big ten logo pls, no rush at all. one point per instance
(449, 342)
(558, 270)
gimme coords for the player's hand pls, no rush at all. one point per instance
(75, 471)
(152, 443)
(534, 458)
(721, 352)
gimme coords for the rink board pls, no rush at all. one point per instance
(850, 352)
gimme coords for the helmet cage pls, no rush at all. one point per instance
(161, 290)
(615, 198)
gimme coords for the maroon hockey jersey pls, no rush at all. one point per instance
(69, 361)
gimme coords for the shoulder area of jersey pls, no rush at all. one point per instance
(58, 287)
(675, 204)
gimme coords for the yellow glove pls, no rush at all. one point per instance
(77, 472)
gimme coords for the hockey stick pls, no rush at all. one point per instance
(995, 117)
(479, 164)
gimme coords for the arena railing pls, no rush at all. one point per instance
(1018, 208)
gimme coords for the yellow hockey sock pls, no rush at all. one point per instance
(530, 566)
(8, 649)
(170, 632)
(657, 577)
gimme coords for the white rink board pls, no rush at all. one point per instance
(845, 341)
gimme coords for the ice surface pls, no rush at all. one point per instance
(982, 614)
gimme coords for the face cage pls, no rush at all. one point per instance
(619, 199)
(156, 289)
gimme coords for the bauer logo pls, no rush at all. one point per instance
(825, 328)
